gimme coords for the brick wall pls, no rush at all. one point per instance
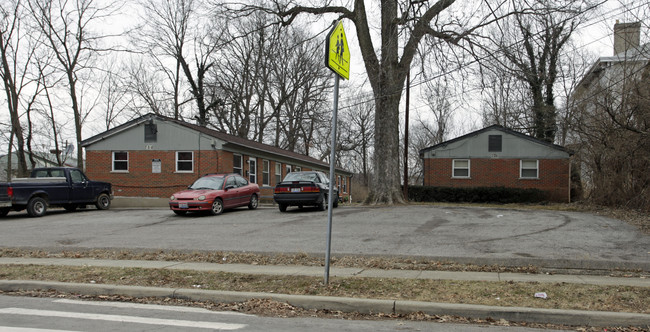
(553, 175)
(140, 181)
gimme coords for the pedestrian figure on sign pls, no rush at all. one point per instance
(340, 50)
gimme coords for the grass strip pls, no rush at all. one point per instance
(519, 294)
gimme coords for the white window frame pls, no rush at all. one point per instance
(288, 169)
(345, 184)
(120, 160)
(266, 173)
(178, 160)
(252, 170)
(297, 169)
(278, 172)
(241, 162)
(453, 169)
(522, 168)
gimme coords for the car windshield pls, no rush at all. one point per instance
(301, 177)
(208, 182)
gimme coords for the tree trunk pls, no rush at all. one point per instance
(385, 185)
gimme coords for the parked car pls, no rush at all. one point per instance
(53, 186)
(214, 193)
(304, 188)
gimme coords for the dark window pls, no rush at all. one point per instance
(460, 168)
(184, 161)
(494, 143)
(120, 161)
(237, 164)
(265, 172)
(150, 132)
(530, 169)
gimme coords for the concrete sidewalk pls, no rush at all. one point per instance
(317, 271)
(536, 315)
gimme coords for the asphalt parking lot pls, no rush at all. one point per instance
(467, 234)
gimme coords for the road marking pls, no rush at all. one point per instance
(123, 319)
(25, 329)
(128, 305)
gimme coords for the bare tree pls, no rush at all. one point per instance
(532, 43)
(360, 116)
(241, 78)
(114, 95)
(15, 55)
(185, 31)
(611, 126)
(66, 27)
(146, 85)
(385, 68)
(505, 99)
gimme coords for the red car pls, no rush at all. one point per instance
(214, 193)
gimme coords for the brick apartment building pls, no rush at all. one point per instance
(499, 157)
(154, 156)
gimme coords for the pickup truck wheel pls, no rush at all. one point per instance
(3, 212)
(103, 202)
(36, 207)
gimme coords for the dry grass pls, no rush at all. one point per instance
(521, 294)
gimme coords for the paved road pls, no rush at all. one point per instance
(460, 232)
(47, 314)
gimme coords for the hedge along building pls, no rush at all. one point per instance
(499, 157)
(154, 156)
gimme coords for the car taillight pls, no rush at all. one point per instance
(10, 192)
(281, 189)
(310, 189)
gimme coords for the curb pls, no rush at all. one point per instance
(516, 314)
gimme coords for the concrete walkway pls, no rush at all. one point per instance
(536, 315)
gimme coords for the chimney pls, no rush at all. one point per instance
(626, 36)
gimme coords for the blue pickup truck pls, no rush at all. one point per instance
(67, 187)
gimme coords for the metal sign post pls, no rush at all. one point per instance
(330, 196)
(337, 58)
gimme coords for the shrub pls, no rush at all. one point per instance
(475, 194)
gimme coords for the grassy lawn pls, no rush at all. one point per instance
(521, 294)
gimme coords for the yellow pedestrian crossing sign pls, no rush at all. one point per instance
(337, 52)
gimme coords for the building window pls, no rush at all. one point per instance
(461, 168)
(184, 161)
(252, 167)
(345, 184)
(150, 132)
(530, 169)
(237, 164)
(265, 173)
(288, 169)
(278, 173)
(120, 161)
(297, 169)
(494, 143)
